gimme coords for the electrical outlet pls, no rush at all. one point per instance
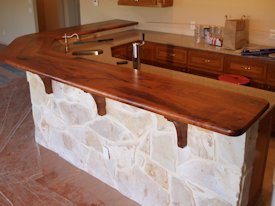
(192, 25)
(95, 2)
(272, 34)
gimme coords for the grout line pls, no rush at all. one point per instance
(6, 111)
(7, 199)
(17, 126)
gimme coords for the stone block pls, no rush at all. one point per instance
(71, 94)
(164, 149)
(69, 148)
(223, 180)
(110, 130)
(75, 114)
(136, 185)
(87, 136)
(203, 196)
(201, 142)
(181, 194)
(145, 144)
(234, 147)
(138, 121)
(37, 89)
(157, 173)
(101, 168)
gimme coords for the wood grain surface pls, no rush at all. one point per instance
(213, 109)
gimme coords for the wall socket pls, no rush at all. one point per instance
(272, 34)
(95, 2)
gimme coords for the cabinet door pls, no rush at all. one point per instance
(146, 52)
(149, 3)
(120, 51)
(251, 67)
(125, 51)
(271, 76)
(171, 57)
(205, 63)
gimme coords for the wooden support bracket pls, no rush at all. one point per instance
(181, 133)
(48, 84)
(100, 104)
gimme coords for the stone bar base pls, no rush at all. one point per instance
(136, 152)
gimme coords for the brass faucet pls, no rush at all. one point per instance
(66, 37)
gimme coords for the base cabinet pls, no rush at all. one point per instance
(261, 72)
(208, 64)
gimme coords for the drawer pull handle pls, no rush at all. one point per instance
(171, 55)
(206, 61)
(246, 68)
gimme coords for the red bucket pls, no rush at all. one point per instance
(234, 78)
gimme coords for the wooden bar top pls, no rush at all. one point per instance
(217, 110)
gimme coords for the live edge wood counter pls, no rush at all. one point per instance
(221, 111)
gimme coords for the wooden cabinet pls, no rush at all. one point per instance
(120, 51)
(125, 51)
(250, 67)
(166, 56)
(205, 63)
(270, 80)
(253, 68)
(148, 3)
(171, 57)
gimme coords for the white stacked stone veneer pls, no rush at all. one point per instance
(136, 152)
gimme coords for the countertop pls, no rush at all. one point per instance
(177, 96)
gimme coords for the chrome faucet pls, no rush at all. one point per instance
(66, 37)
(136, 53)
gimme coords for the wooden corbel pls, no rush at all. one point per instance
(181, 133)
(100, 104)
(48, 84)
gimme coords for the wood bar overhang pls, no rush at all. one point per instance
(180, 101)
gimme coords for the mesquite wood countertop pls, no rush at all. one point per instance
(175, 98)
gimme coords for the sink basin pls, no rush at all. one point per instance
(88, 52)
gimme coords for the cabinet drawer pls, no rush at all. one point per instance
(168, 54)
(205, 61)
(249, 67)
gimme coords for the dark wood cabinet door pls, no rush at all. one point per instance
(171, 57)
(253, 68)
(271, 76)
(205, 63)
(120, 51)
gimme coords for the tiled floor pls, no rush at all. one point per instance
(31, 175)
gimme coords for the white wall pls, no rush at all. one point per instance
(16, 19)
(261, 14)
